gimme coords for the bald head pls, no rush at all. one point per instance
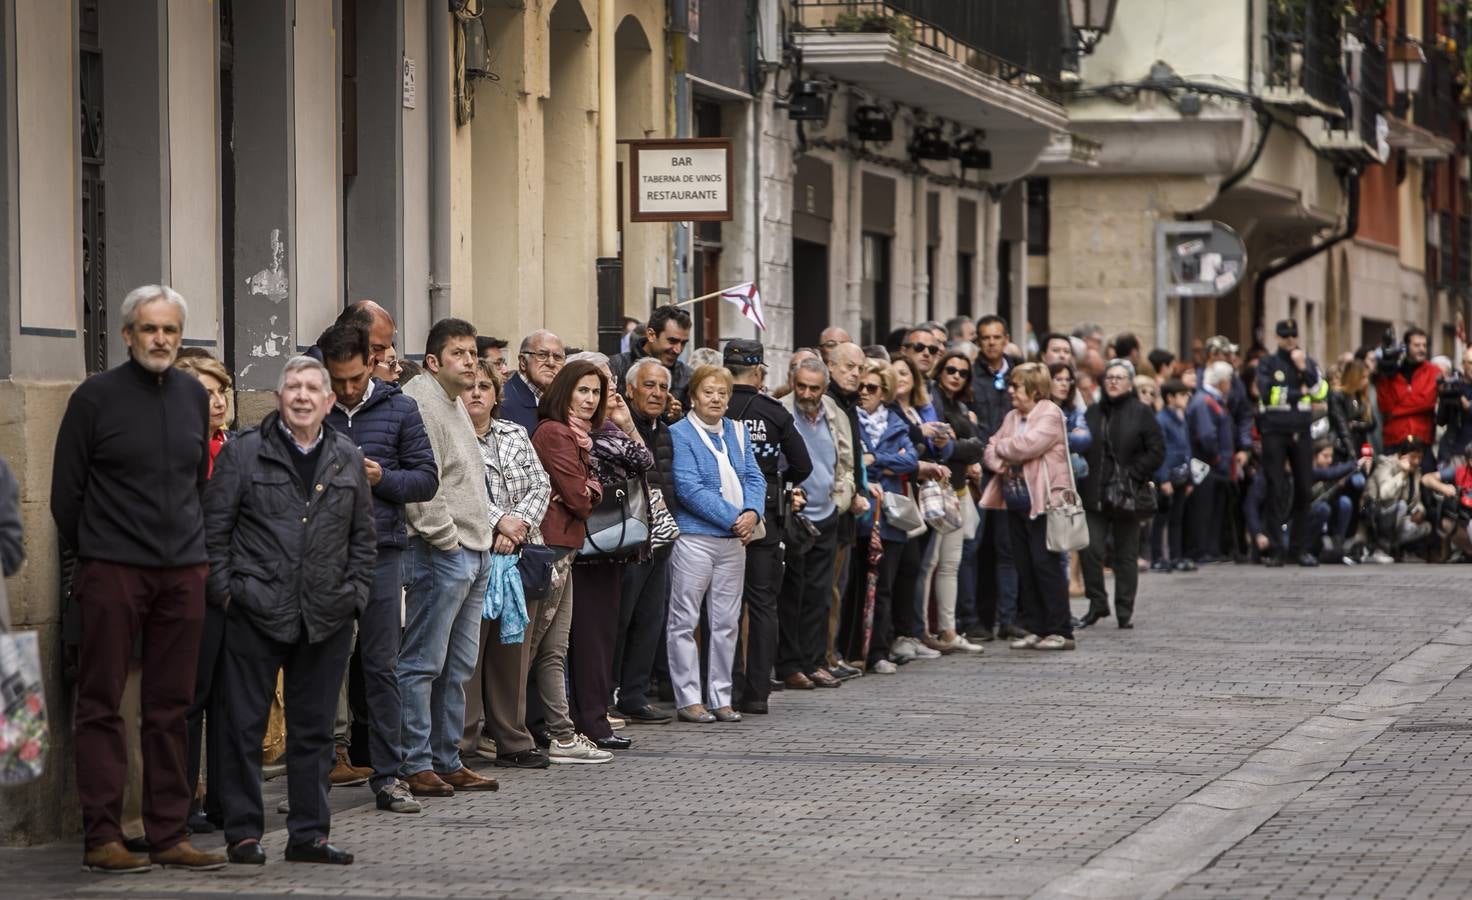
(832, 336)
(379, 323)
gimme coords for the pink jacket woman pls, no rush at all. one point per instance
(1041, 438)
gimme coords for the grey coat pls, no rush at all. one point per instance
(284, 562)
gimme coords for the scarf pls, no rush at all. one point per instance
(504, 598)
(710, 435)
(580, 431)
(874, 423)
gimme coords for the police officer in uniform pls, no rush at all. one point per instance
(1289, 383)
(784, 460)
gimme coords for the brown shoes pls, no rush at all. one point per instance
(428, 784)
(820, 678)
(798, 682)
(344, 773)
(183, 855)
(114, 859)
(462, 779)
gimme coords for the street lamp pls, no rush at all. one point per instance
(1407, 63)
(1091, 20)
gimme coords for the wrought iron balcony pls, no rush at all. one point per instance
(1020, 46)
(1435, 107)
(1305, 70)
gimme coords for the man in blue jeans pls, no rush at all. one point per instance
(446, 568)
(385, 424)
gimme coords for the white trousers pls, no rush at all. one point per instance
(942, 562)
(708, 571)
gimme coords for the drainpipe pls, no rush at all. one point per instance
(441, 133)
(609, 267)
(1351, 183)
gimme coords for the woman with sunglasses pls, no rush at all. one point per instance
(1126, 436)
(933, 440)
(940, 573)
(892, 460)
(1029, 454)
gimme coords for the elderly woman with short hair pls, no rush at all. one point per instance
(1029, 454)
(722, 494)
(1127, 438)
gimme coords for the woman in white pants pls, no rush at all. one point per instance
(721, 493)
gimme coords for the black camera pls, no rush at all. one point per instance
(1390, 352)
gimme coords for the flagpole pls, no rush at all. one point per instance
(716, 293)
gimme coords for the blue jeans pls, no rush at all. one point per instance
(444, 595)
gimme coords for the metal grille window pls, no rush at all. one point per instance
(1303, 50)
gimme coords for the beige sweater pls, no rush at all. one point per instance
(458, 514)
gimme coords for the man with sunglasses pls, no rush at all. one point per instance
(665, 338)
(997, 589)
(537, 362)
(923, 349)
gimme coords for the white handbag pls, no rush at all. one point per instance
(1068, 527)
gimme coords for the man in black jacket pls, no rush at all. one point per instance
(645, 592)
(774, 440)
(386, 427)
(289, 527)
(131, 460)
(664, 339)
(997, 593)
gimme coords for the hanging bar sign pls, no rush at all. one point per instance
(680, 180)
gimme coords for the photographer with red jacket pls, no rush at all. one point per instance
(1405, 388)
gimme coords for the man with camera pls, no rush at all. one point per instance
(1406, 390)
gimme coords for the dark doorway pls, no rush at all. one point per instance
(963, 284)
(809, 292)
(227, 183)
(94, 205)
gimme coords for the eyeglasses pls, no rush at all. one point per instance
(918, 347)
(542, 356)
(952, 370)
(1116, 378)
(869, 388)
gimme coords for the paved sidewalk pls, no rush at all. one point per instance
(1260, 733)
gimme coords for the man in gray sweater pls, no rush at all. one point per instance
(446, 566)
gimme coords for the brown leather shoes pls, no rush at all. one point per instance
(798, 682)
(822, 679)
(114, 859)
(344, 773)
(183, 855)
(428, 784)
(462, 779)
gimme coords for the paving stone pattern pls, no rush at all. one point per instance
(1003, 775)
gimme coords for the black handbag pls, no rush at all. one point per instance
(1123, 492)
(619, 525)
(799, 534)
(535, 567)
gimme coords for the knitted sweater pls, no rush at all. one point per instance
(458, 513)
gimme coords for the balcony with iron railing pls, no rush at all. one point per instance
(1435, 107)
(1023, 47)
(1305, 69)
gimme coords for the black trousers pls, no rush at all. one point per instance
(899, 569)
(1167, 526)
(802, 606)
(1297, 448)
(908, 610)
(247, 683)
(202, 720)
(1125, 531)
(593, 632)
(1042, 588)
(643, 604)
(756, 646)
(1205, 511)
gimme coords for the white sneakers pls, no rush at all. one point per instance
(884, 667)
(1051, 642)
(959, 644)
(577, 750)
(909, 648)
(1380, 558)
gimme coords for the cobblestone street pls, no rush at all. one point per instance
(1260, 733)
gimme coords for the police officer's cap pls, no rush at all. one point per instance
(1287, 328)
(743, 352)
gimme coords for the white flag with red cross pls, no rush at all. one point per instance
(745, 296)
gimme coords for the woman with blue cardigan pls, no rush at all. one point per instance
(722, 493)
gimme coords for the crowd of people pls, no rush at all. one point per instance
(510, 557)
